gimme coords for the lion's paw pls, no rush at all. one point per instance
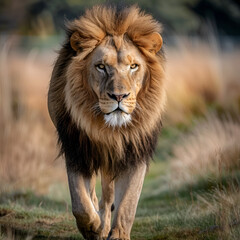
(90, 230)
(116, 234)
(90, 235)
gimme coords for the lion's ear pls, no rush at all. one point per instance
(75, 41)
(156, 42)
(151, 42)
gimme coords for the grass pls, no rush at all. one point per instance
(201, 76)
(192, 188)
(211, 149)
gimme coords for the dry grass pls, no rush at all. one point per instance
(223, 204)
(201, 75)
(28, 141)
(211, 149)
(27, 157)
(227, 212)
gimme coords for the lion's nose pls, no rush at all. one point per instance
(118, 97)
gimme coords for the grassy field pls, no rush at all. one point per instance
(192, 189)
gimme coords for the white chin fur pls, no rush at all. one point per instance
(117, 119)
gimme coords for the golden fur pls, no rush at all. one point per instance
(85, 35)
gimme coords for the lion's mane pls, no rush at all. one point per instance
(97, 146)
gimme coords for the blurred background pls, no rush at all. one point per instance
(199, 149)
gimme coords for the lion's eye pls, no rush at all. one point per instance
(100, 66)
(134, 66)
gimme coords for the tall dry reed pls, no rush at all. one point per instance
(211, 149)
(201, 75)
(28, 140)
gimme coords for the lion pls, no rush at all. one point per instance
(106, 99)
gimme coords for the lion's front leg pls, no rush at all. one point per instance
(128, 187)
(106, 203)
(93, 194)
(84, 205)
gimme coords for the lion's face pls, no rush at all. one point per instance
(107, 72)
(116, 76)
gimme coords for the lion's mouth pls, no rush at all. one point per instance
(118, 109)
(117, 117)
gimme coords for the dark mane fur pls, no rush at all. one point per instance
(85, 156)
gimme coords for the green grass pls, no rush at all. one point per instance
(32, 215)
(164, 211)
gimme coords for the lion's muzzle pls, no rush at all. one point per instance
(119, 113)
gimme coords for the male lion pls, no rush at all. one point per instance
(105, 99)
